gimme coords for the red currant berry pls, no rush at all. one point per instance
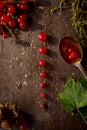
(23, 16)
(42, 63)
(42, 36)
(42, 85)
(71, 49)
(5, 35)
(1, 4)
(74, 56)
(23, 25)
(12, 23)
(42, 74)
(20, 20)
(42, 50)
(24, 126)
(43, 95)
(11, 9)
(42, 105)
(5, 18)
(24, 6)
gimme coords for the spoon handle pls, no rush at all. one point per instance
(82, 70)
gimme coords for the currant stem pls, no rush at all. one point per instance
(1, 29)
(10, 14)
(10, 31)
(58, 8)
(81, 115)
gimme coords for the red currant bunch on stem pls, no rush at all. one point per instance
(13, 15)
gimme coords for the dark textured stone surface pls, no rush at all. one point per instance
(19, 62)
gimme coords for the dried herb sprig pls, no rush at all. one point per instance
(79, 20)
(60, 7)
(79, 17)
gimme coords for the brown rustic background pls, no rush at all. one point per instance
(19, 63)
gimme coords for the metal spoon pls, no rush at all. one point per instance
(64, 45)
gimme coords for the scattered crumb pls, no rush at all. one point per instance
(16, 59)
(66, 25)
(18, 84)
(21, 64)
(23, 53)
(31, 45)
(25, 75)
(57, 98)
(24, 83)
(22, 49)
(41, 7)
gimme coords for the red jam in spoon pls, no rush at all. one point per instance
(70, 50)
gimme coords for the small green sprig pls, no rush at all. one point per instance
(60, 7)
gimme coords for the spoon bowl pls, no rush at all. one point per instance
(72, 53)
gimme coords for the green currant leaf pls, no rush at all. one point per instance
(74, 95)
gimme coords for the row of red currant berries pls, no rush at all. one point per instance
(42, 63)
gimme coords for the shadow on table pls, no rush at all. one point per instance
(52, 40)
(28, 118)
(38, 124)
(84, 60)
(37, 14)
(22, 43)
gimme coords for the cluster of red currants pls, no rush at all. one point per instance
(11, 116)
(13, 14)
(73, 53)
(42, 63)
(21, 123)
